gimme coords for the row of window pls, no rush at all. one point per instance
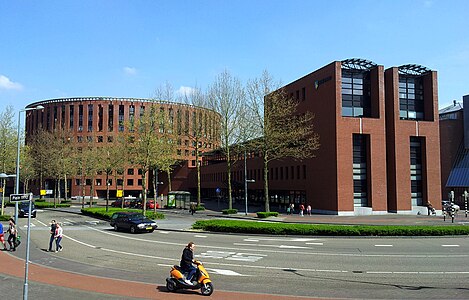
(356, 95)
(99, 182)
(196, 123)
(277, 173)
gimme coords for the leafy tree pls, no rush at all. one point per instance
(8, 144)
(281, 131)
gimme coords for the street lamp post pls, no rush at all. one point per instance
(17, 191)
(17, 182)
(246, 181)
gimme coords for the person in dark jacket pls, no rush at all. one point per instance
(187, 260)
(53, 227)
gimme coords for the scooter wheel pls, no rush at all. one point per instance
(170, 285)
(207, 289)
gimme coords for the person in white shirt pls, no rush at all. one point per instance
(58, 237)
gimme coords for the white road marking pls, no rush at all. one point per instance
(273, 246)
(449, 245)
(280, 239)
(318, 244)
(226, 272)
(283, 251)
(32, 225)
(93, 222)
(163, 232)
(43, 224)
(200, 236)
(383, 245)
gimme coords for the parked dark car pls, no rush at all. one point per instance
(118, 203)
(23, 209)
(133, 221)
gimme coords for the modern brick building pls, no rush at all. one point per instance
(454, 133)
(101, 118)
(379, 140)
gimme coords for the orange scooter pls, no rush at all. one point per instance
(201, 280)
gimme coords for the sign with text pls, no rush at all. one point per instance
(21, 197)
(119, 193)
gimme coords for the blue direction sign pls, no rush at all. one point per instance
(20, 197)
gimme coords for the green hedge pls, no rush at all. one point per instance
(101, 213)
(5, 218)
(264, 214)
(327, 230)
(229, 211)
(50, 204)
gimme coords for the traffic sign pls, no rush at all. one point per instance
(21, 197)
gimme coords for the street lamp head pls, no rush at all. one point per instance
(39, 107)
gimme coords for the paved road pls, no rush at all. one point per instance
(180, 220)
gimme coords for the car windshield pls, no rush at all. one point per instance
(25, 204)
(136, 217)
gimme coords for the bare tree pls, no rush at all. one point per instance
(281, 130)
(226, 96)
(197, 132)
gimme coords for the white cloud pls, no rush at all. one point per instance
(185, 90)
(130, 71)
(7, 84)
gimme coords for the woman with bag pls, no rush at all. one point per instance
(13, 233)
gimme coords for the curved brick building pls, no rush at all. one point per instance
(101, 118)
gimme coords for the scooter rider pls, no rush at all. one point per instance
(187, 260)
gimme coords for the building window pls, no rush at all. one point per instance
(80, 118)
(98, 182)
(416, 170)
(100, 139)
(109, 182)
(71, 117)
(88, 181)
(119, 182)
(110, 139)
(356, 93)
(121, 118)
(90, 117)
(139, 172)
(411, 98)
(130, 182)
(77, 182)
(131, 117)
(100, 118)
(130, 171)
(110, 118)
(360, 170)
(139, 182)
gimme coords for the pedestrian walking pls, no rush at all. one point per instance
(58, 237)
(302, 208)
(2, 238)
(53, 226)
(288, 209)
(192, 208)
(292, 208)
(308, 210)
(13, 234)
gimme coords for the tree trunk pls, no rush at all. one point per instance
(107, 191)
(91, 191)
(144, 191)
(66, 187)
(155, 188)
(83, 181)
(228, 165)
(198, 176)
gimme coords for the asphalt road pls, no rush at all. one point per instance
(361, 268)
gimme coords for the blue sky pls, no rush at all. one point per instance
(52, 49)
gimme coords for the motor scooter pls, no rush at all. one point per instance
(201, 280)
